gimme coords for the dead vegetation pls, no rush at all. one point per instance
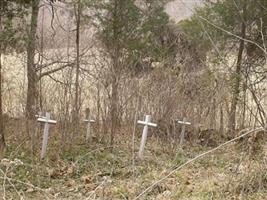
(197, 82)
(94, 172)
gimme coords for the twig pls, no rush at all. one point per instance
(94, 191)
(232, 34)
(177, 168)
(27, 184)
(5, 177)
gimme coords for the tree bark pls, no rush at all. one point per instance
(2, 128)
(213, 114)
(115, 71)
(114, 109)
(2, 133)
(237, 78)
(32, 92)
(77, 93)
(41, 55)
(221, 129)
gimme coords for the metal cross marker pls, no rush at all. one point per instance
(47, 121)
(146, 123)
(88, 121)
(184, 123)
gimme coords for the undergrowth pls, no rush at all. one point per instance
(99, 171)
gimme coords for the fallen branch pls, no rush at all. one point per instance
(177, 168)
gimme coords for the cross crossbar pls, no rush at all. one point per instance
(183, 122)
(147, 123)
(45, 120)
(91, 120)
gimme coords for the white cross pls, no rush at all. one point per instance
(88, 121)
(184, 123)
(47, 121)
(146, 123)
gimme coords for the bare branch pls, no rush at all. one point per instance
(54, 70)
(177, 168)
(232, 34)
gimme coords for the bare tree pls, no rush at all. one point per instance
(238, 72)
(32, 90)
(77, 91)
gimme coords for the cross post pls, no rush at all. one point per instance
(88, 121)
(146, 124)
(183, 123)
(47, 121)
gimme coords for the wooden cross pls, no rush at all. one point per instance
(146, 124)
(47, 121)
(88, 121)
(184, 123)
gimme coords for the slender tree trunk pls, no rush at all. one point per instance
(2, 134)
(244, 109)
(41, 60)
(237, 80)
(32, 92)
(32, 89)
(213, 114)
(98, 103)
(77, 93)
(115, 72)
(221, 129)
(114, 109)
(67, 103)
(67, 95)
(2, 128)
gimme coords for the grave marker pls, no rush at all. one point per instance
(47, 121)
(146, 124)
(88, 121)
(184, 123)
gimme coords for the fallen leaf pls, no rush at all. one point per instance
(86, 179)
(70, 183)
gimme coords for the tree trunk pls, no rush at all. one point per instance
(41, 58)
(32, 92)
(2, 128)
(77, 93)
(114, 109)
(98, 104)
(115, 71)
(244, 109)
(221, 129)
(213, 114)
(2, 134)
(237, 80)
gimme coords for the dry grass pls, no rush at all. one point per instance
(92, 171)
